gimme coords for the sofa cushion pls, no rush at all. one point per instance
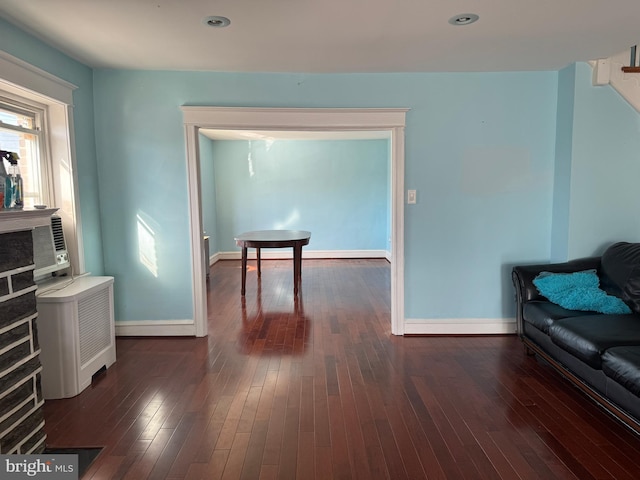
(587, 337)
(541, 314)
(620, 264)
(578, 291)
(622, 364)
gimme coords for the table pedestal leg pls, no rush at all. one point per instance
(297, 267)
(244, 270)
(258, 257)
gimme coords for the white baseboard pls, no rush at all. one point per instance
(440, 326)
(284, 253)
(155, 328)
(214, 258)
(460, 326)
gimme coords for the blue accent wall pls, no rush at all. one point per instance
(509, 168)
(336, 189)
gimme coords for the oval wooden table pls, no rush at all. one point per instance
(273, 239)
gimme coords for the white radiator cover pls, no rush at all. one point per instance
(76, 333)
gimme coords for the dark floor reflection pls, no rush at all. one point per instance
(266, 332)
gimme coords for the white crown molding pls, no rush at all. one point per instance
(26, 77)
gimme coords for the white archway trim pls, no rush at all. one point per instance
(391, 120)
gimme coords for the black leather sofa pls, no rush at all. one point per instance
(599, 353)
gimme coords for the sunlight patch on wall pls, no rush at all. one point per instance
(291, 220)
(147, 246)
(262, 145)
(250, 160)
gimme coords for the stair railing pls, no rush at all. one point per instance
(632, 68)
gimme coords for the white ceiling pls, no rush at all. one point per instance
(309, 36)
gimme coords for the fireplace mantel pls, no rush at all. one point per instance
(16, 220)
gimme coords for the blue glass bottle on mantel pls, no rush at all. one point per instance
(8, 190)
(3, 180)
(13, 185)
(18, 188)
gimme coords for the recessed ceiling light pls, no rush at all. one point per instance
(216, 21)
(464, 19)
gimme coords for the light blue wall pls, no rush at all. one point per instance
(482, 162)
(562, 174)
(605, 169)
(208, 193)
(25, 47)
(142, 169)
(337, 189)
(479, 150)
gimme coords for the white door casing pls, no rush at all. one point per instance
(390, 120)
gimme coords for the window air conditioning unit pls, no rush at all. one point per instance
(49, 249)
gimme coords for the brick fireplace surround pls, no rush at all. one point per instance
(21, 401)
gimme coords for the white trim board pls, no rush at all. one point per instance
(460, 326)
(440, 326)
(27, 78)
(216, 257)
(277, 254)
(155, 328)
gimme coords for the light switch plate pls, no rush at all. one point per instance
(411, 196)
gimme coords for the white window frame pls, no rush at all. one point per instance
(14, 102)
(31, 85)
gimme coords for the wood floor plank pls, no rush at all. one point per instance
(142, 468)
(107, 469)
(405, 444)
(235, 461)
(316, 387)
(173, 448)
(213, 430)
(341, 463)
(255, 450)
(305, 461)
(192, 441)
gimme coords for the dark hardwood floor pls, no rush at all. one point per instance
(319, 388)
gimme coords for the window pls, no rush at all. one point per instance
(22, 131)
(36, 111)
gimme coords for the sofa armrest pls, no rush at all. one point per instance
(523, 276)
